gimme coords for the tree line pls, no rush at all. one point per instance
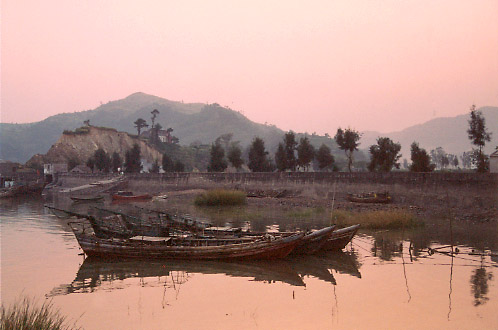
(384, 156)
(294, 155)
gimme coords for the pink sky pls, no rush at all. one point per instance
(302, 65)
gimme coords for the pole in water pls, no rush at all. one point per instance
(333, 202)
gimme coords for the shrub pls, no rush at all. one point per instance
(220, 197)
(24, 314)
(78, 131)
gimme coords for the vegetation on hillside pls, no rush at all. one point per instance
(198, 125)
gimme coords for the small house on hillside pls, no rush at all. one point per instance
(81, 169)
(493, 162)
(51, 170)
(163, 135)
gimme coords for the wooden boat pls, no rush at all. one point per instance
(184, 247)
(313, 241)
(123, 226)
(87, 199)
(180, 220)
(129, 196)
(22, 189)
(371, 197)
(340, 238)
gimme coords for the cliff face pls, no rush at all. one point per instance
(82, 144)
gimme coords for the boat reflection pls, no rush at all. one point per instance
(109, 274)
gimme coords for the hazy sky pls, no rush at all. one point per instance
(302, 65)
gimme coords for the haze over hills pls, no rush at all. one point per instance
(197, 122)
(192, 122)
(449, 133)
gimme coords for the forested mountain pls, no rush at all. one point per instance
(202, 124)
(191, 123)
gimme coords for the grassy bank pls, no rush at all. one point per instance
(393, 219)
(25, 314)
(220, 197)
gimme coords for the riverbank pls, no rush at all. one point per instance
(469, 197)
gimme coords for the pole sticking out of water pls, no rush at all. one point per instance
(333, 202)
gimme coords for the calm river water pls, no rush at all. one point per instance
(383, 280)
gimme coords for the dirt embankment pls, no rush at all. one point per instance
(463, 197)
(462, 202)
(82, 144)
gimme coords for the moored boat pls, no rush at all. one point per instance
(129, 196)
(185, 247)
(89, 199)
(340, 238)
(313, 242)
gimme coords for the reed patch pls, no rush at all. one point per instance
(221, 197)
(26, 314)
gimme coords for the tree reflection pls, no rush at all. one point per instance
(386, 248)
(479, 285)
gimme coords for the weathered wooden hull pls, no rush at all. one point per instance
(313, 242)
(279, 248)
(340, 238)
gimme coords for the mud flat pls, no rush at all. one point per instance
(466, 196)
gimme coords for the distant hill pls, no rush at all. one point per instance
(191, 122)
(203, 123)
(449, 133)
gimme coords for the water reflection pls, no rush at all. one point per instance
(402, 283)
(479, 285)
(386, 248)
(98, 273)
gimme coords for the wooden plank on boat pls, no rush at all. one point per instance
(150, 239)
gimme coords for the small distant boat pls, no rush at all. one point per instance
(129, 196)
(340, 238)
(87, 198)
(371, 197)
(160, 198)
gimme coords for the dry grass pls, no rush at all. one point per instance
(395, 219)
(25, 314)
(221, 197)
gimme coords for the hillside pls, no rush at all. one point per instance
(449, 133)
(21, 141)
(81, 146)
(201, 123)
(194, 122)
